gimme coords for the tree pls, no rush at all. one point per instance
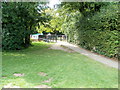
(19, 20)
(92, 25)
(54, 22)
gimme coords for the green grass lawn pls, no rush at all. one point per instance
(66, 70)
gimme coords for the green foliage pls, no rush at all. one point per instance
(54, 23)
(13, 26)
(95, 29)
(19, 20)
(99, 33)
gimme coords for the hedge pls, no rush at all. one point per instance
(99, 33)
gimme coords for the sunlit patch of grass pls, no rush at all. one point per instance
(67, 70)
(16, 82)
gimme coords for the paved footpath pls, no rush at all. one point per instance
(94, 56)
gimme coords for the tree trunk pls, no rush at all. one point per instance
(27, 38)
(27, 41)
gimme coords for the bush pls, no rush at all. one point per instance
(99, 32)
(18, 21)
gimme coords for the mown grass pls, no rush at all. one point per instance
(67, 70)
